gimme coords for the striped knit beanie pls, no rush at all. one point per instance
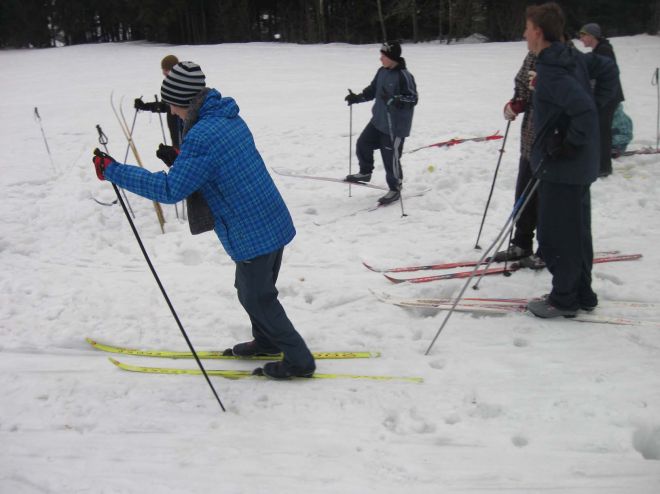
(182, 84)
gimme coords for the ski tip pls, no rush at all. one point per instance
(394, 280)
(116, 362)
(370, 267)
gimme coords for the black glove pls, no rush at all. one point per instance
(559, 148)
(139, 104)
(153, 106)
(353, 98)
(392, 100)
(168, 154)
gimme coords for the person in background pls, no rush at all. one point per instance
(218, 158)
(521, 247)
(174, 123)
(622, 132)
(592, 37)
(395, 94)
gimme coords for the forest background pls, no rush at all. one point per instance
(48, 23)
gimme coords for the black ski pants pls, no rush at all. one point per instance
(271, 328)
(564, 234)
(372, 139)
(526, 224)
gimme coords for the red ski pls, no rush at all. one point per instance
(489, 271)
(452, 265)
(459, 140)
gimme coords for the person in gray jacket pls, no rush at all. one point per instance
(395, 94)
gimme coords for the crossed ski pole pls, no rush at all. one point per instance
(162, 130)
(510, 223)
(103, 140)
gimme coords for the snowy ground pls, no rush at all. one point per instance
(509, 404)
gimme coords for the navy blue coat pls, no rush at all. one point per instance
(565, 116)
(397, 87)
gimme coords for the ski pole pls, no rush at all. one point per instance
(121, 120)
(518, 208)
(396, 164)
(123, 192)
(492, 187)
(160, 118)
(103, 141)
(38, 119)
(656, 83)
(510, 222)
(162, 130)
(350, 145)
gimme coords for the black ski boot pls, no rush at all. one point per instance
(358, 177)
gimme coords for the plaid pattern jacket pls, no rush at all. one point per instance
(523, 93)
(219, 158)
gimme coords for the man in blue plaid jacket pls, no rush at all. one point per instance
(218, 158)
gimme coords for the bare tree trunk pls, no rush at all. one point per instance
(440, 9)
(320, 19)
(450, 21)
(413, 5)
(381, 19)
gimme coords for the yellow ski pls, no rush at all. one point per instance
(217, 354)
(243, 374)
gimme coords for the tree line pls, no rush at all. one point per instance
(44, 23)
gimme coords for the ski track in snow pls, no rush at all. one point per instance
(509, 403)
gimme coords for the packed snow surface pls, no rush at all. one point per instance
(508, 404)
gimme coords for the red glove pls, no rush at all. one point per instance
(532, 80)
(101, 161)
(513, 108)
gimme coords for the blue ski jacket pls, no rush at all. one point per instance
(218, 157)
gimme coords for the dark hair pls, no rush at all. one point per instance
(549, 18)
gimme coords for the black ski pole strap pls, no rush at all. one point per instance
(103, 139)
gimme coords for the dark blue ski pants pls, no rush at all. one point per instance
(271, 328)
(372, 139)
(564, 234)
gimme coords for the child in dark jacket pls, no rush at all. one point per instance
(395, 94)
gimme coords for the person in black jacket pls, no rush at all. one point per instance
(565, 159)
(592, 37)
(174, 123)
(395, 93)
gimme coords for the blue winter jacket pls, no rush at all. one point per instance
(565, 116)
(218, 157)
